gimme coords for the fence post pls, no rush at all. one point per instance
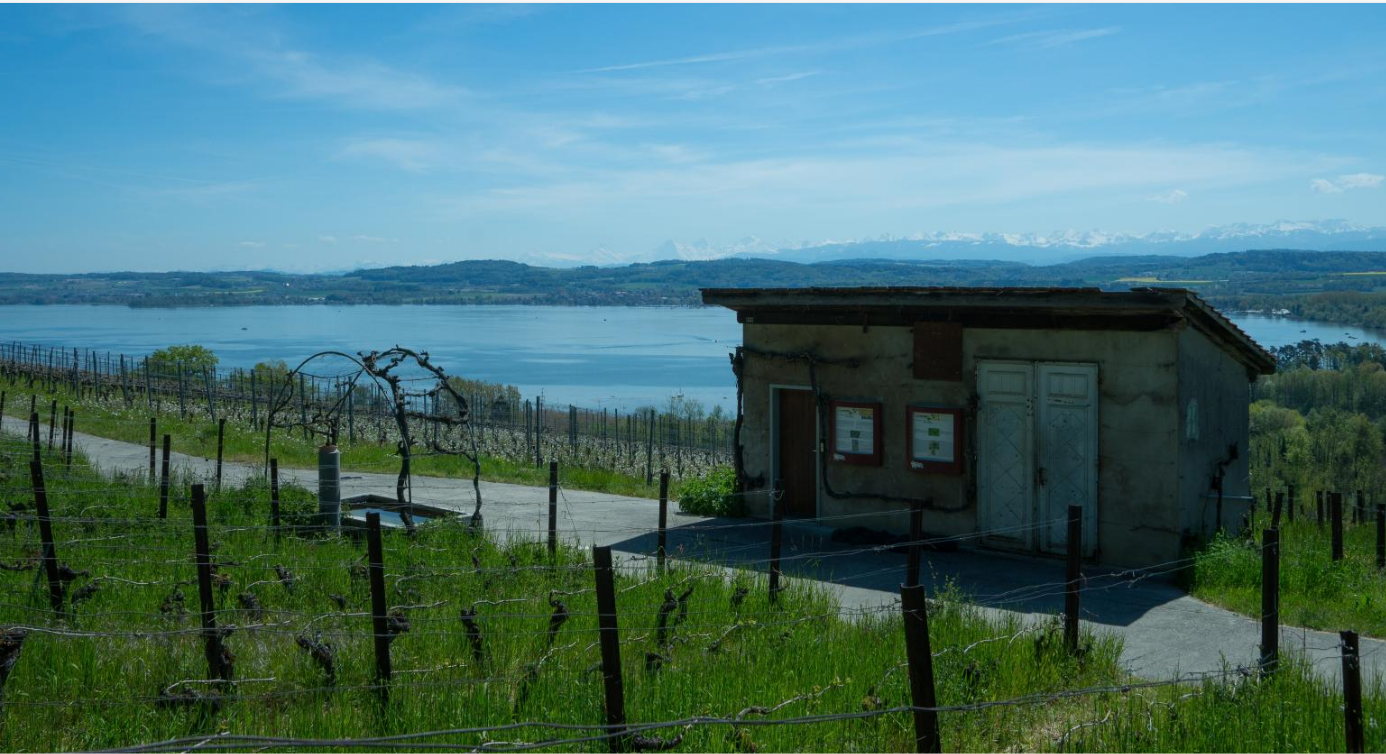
(553, 509)
(1335, 502)
(649, 448)
(53, 422)
(1075, 577)
(378, 620)
(1352, 694)
(152, 431)
(663, 544)
(916, 534)
(163, 478)
(148, 386)
(1270, 600)
(1380, 536)
(1290, 509)
(776, 535)
(50, 553)
(1275, 513)
(274, 496)
(216, 667)
(221, 444)
(610, 637)
(921, 669)
(34, 434)
(1318, 504)
(71, 431)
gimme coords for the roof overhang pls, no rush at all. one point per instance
(1140, 309)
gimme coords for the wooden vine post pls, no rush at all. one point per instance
(921, 669)
(1352, 694)
(217, 666)
(221, 444)
(916, 537)
(163, 478)
(1380, 536)
(274, 497)
(1335, 501)
(379, 622)
(153, 432)
(553, 509)
(663, 542)
(1075, 577)
(1270, 600)
(776, 537)
(610, 639)
(50, 553)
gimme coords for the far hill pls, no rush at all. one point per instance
(1218, 276)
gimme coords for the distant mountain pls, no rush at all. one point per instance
(1048, 248)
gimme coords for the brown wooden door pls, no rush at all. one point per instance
(797, 462)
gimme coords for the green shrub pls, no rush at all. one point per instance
(712, 495)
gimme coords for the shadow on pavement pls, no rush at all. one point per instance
(989, 578)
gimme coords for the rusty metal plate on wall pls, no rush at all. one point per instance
(938, 351)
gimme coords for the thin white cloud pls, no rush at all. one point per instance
(914, 176)
(354, 83)
(374, 239)
(351, 82)
(327, 239)
(251, 244)
(1049, 39)
(1346, 183)
(415, 155)
(708, 93)
(785, 79)
(1360, 180)
(845, 43)
(1169, 197)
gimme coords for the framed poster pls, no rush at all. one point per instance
(934, 439)
(856, 432)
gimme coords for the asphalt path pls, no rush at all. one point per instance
(1165, 632)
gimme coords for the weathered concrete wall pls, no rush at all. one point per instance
(1217, 387)
(1138, 520)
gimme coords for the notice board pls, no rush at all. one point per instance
(934, 439)
(856, 432)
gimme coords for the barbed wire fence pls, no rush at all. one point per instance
(637, 441)
(394, 610)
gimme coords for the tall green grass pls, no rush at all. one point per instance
(197, 435)
(70, 690)
(1315, 591)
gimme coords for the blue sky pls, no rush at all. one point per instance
(322, 137)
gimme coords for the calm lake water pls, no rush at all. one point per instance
(616, 357)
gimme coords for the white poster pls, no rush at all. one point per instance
(932, 439)
(856, 432)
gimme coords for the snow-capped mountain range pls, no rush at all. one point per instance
(1033, 248)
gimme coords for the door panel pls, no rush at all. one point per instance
(1005, 457)
(797, 462)
(1067, 450)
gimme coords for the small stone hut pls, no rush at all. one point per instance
(996, 409)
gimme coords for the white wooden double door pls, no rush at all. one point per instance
(1036, 452)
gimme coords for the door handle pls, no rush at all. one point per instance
(1040, 476)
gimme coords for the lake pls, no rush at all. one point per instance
(614, 357)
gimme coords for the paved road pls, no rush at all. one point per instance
(1165, 631)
